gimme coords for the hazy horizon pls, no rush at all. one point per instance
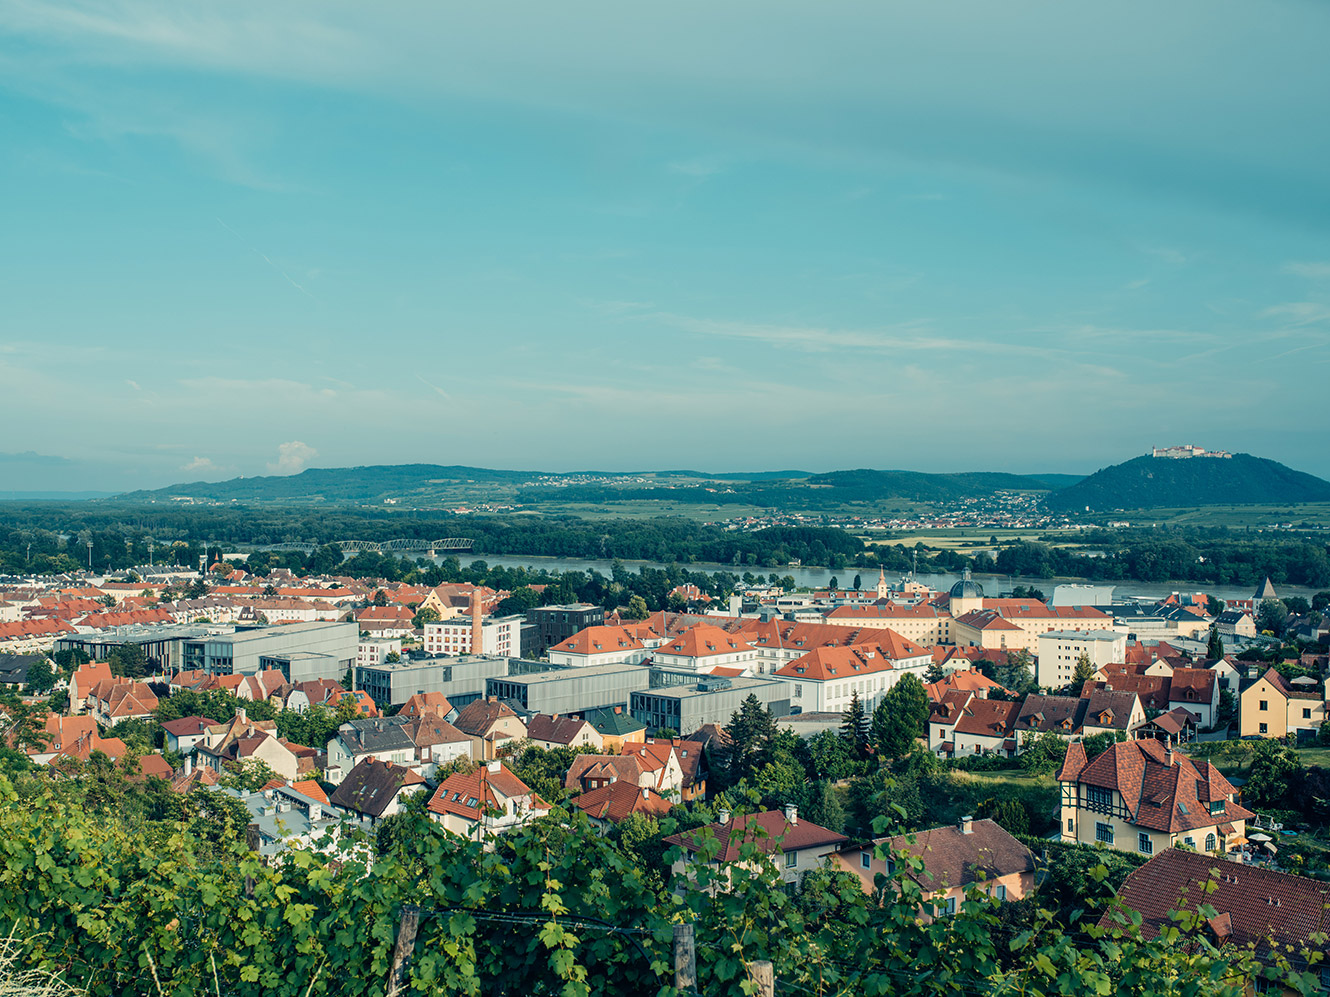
(1027, 238)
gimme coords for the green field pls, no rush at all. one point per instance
(1255, 516)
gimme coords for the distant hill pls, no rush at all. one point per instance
(338, 484)
(430, 483)
(869, 485)
(1161, 483)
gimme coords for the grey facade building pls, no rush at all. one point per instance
(163, 644)
(571, 690)
(462, 678)
(706, 699)
(555, 624)
(300, 651)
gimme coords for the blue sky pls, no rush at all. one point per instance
(247, 238)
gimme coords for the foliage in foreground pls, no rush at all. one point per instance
(553, 909)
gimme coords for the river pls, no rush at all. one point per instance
(814, 577)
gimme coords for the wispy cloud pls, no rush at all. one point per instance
(264, 257)
(433, 387)
(1176, 257)
(1299, 313)
(204, 464)
(1310, 270)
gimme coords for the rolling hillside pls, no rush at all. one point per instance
(1157, 483)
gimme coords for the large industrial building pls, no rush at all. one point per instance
(301, 651)
(706, 699)
(572, 690)
(461, 678)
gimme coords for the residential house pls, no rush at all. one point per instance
(1140, 796)
(1274, 706)
(437, 742)
(427, 704)
(187, 733)
(562, 732)
(114, 700)
(1235, 623)
(286, 816)
(241, 741)
(485, 802)
(14, 669)
(964, 724)
(85, 677)
(489, 723)
(794, 846)
(616, 727)
(73, 737)
(971, 854)
(384, 739)
(1060, 650)
(315, 692)
(962, 680)
(1174, 728)
(614, 802)
(375, 789)
(1274, 915)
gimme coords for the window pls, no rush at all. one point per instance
(1189, 841)
(949, 907)
(1098, 798)
(1071, 824)
(1144, 845)
(791, 859)
(1264, 729)
(1209, 842)
(1306, 714)
(1103, 833)
(866, 860)
(1000, 891)
(1265, 704)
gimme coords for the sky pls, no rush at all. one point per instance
(248, 238)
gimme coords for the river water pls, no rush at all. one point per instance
(814, 577)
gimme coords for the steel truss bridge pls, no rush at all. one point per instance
(349, 547)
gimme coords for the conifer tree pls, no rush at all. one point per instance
(854, 727)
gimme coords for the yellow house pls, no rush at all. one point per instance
(617, 727)
(1272, 706)
(1140, 796)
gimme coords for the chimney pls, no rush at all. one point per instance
(723, 816)
(791, 814)
(477, 643)
(646, 793)
(495, 766)
(189, 763)
(966, 826)
(240, 714)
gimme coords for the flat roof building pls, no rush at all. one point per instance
(461, 678)
(300, 651)
(572, 690)
(707, 699)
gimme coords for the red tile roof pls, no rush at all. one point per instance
(826, 663)
(769, 831)
(1255, 907)
(617, 800)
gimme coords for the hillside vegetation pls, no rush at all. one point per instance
(1154, 483)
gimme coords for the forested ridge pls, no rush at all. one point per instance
(52, 537)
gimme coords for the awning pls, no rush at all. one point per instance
(1226, 828)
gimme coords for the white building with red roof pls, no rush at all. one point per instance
(825, 679)
(705, 647)
(485, 802)
(603, 645)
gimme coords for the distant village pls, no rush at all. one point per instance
(435, 693)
